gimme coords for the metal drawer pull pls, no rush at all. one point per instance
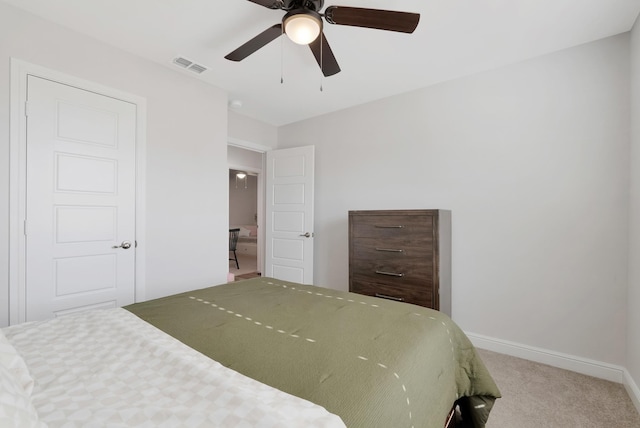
(388, 227)
(397, 299)
(389, 250)
(380, 272)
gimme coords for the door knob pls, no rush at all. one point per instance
(125, 245)
(306, 235)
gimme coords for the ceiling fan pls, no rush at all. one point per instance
(303, 25)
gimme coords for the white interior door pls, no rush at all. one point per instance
(80, 203)
(289, 214)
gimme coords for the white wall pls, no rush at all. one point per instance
(243, 201)
(244, 159)
(532, 159)
(245, 129)
(633, 337)
(186, 150)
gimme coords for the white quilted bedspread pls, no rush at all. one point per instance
(108, 368)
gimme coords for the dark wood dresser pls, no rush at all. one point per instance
(402, 255)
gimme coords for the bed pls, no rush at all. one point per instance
(253, 353)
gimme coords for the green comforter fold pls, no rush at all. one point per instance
(373, 362)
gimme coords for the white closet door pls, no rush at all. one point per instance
(80, 200)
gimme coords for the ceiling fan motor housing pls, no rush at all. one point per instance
(314, 5)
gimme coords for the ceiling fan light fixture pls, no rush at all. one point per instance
(302, 26)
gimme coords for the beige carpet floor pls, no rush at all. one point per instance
(540, 396)
(248, 264)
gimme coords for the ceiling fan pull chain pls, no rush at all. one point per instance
(321, 60)
(282, 56)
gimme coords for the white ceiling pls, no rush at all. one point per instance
(454, 38)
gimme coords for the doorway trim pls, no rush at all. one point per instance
(248, 145)
(17, 177)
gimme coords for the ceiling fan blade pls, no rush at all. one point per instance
(324, 55)
(271, 4)
(259, 41)
(403, 22)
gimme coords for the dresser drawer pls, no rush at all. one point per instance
(417, 296)
(390, 226)
(419, 249)
(393, 272)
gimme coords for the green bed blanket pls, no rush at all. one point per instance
(373, 362)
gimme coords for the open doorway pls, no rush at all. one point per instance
(243, 215)
(246, 211)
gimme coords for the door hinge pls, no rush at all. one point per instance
(24, 227)
(26, 108)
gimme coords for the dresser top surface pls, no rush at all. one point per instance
(397, 212)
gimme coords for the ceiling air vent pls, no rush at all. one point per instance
(197, 68)
(189, 65)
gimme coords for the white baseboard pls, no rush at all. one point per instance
(556, 359)
(632, 389)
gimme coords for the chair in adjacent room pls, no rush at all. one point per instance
(233, 243)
